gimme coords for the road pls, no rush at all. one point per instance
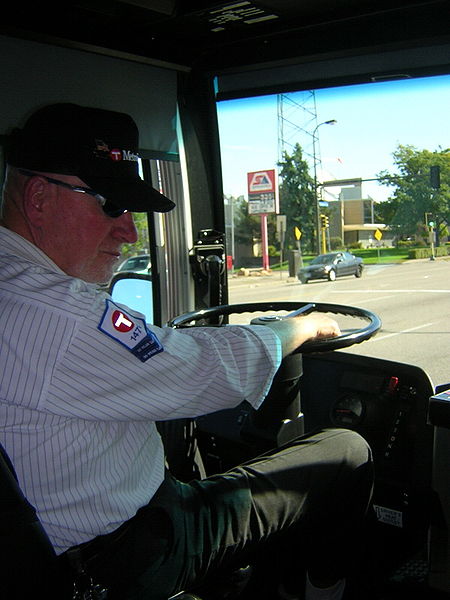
(412, 299)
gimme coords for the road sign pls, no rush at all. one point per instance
(297, 233)
(281, 226)
(378, 235)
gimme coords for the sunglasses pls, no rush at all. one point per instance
(108, 207)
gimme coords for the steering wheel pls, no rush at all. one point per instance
(356, 336)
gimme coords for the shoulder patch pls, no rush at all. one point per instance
(130, 331)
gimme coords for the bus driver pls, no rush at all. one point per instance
(79, 395)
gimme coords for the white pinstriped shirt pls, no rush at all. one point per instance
(77, 408)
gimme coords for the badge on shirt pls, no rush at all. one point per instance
(130, 331)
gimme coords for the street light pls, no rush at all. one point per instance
(329, 122)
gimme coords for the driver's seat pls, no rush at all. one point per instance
(29, 565)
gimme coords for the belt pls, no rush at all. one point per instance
(89, 551)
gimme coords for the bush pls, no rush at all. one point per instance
(426, 252)
(418, 242)
(336, 243)
(356, 246)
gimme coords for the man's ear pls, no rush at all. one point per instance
(35, 200)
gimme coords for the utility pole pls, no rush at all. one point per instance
(297, 123)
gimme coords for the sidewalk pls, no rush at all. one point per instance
(260, 276)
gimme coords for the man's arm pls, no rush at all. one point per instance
(294, 331)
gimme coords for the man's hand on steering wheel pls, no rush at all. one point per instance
(316, 340)
(295, 331)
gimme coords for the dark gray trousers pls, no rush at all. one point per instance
(306, 502)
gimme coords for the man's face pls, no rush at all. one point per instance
(79, 237)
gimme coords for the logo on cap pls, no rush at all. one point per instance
(115, 154)
(102, 150)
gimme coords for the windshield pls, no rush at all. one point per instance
(323, 259)
(363, 169)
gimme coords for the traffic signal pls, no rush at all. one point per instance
(324, 221)
(435, 177)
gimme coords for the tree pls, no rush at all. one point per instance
(414, 195)
(247, 228)
(142, 244)
(297, 197)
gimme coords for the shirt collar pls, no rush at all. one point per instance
(12, 243)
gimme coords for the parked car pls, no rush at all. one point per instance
(136, 264)
(332, 265)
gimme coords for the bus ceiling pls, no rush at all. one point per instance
(280, 40)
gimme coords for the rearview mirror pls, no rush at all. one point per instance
(135, 291)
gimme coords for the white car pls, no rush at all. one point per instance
(136, 264)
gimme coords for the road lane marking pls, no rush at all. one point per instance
(379, 298)
(389, 335)
(390, 291)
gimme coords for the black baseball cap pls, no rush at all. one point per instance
(98, 146)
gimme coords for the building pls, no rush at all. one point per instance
(352, 216)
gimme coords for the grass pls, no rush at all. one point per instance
(370, 256)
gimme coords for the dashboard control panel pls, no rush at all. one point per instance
(387, 403)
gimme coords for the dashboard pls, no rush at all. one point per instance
(386, 402)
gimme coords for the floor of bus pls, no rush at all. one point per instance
(378, 577)
(408, 583)
(390, 572)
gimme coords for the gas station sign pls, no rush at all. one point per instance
(262, 192)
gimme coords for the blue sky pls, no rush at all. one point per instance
(371, 121)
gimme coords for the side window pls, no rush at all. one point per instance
(136, 257)
(131, 283)
(160, 254)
